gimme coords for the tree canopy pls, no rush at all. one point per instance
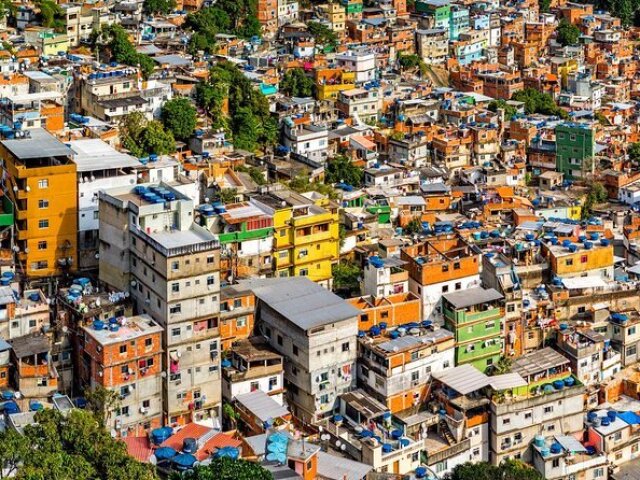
(236, 17)
(411, 62)
(322, 34)
(538, 102)
(567, 33)
(634, 152)
(153, 7)
(500, 104)
(226, 469)
(52, 15)
(507, 470)
(143, 137)
(234, 104)
(296, 84)
(113, 41)
(597, 194)
(179, 117)
(346, 276)
(72, 447)
(341, 169)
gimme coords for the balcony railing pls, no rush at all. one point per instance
(441, 455)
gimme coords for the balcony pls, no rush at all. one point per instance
(312, 238)
(611, 358)
(445, 453)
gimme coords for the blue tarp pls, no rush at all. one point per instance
(631, 418)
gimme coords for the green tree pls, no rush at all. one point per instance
(72, 447)
(413, 227)
(226, 469)
(301, 184)
(500, 104)
(597, 194)
(143, 137)
(154, 7)
(538, 102)
(230, 413)
(507, 470)
(322, 34)
(179, 117)
(255, 173)
(113, 43)
(7, 8)
(102, 402)
(296, 84)
(346, 276)
(634, 152)
(412, 62)
(342, 169)
(502, 366)
(544, 6)
(236, 17)
(249, 120)
(227, 195)
(13, 450)
(52, 15)
(567, 33)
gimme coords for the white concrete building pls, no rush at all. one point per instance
(315, 331)
(100, 167)
(362, 62)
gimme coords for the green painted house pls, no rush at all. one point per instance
(475, 316)
(439, 10)
(575, 148)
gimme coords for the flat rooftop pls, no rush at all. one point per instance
(93, 154)
(39, 144)
(134, 327)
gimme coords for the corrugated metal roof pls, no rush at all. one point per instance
(507, 381)
(472, 296)
(40, 144)
(262, 405)
(340, 468)
(570, 444)
(537, 361)
(463, 379)
(302, 302)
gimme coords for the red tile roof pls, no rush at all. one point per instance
(193, 430)
(138, 448)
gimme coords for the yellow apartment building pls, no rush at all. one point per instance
(306, 238)
(40, 180)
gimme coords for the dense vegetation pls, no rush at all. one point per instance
(236, 17)
(567, 33)
(296, 84)
(508, 470)
(247, 117)
(538, 102)
(509, 110)
(114, 44)
(143, 137)
(226, 469)
(163, 7)
(75, 447)
(179, 117)
(322, 34)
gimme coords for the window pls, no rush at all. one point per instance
(175, 308)
(211, 280)
(583, 259)
(304, 272)
(506, 421)
(42, 245)
(631, 331)
(211, 259)
(42, 382)
(295, 350)
(280, 340)
(124, 370)
(415, 376)
(175, 287)
(148, 342)
(255, 386)
(569, 262)
(146, 403)
(42, 203)
(458, 285)
(273, 383)
(44, 183)
(632, 350)
(175, 332)
(345, 347)
(175, 265)
(456, 266)
(555, 463)
(445, 288)
(445, 268)
(123, 349)
(43, 223)
(527, 415)
(324, 399)
(241, 322)
(32, 323)
(548, 409)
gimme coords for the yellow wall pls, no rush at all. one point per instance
(61, 212)
(598, 257)
(314, 252)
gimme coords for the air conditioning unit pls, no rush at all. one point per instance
(144, 410)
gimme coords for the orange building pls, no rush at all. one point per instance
(42, 185)
(400, 363)
(393, 310)
(125, 355)
(237, 306)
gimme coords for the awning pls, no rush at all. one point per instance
(507, 381)
(584, 282)
(570, 444)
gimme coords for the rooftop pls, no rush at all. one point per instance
(131, 328)
(39, 144)
(472, 296)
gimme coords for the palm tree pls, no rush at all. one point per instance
(229, 412)
(503, 365)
